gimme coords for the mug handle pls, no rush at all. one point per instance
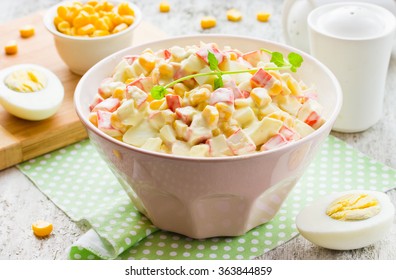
(287, 5)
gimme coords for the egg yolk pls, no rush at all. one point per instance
(353, 207)
(26, 80)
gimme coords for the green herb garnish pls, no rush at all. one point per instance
(214, 66)
(158, 92)
(292, 63)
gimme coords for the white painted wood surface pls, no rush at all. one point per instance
(21, 202)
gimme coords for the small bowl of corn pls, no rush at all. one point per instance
(86, 32)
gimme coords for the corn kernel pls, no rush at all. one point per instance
(116, 122)
(99, 33)
(26, 31)
(119, 93)
(227, 128)
(199, 96)
(165, 70)
(164, 7)
(147, 61)
(93, 3)
(107, 6)
(225, 111)
(66, 13)
(74, 11)
(130, 80)
(233, 56)
(86, 29)
(57, 20)
(93, 118)
(99, 7)
(120, 27)
(180, 89)
(93, 18)
(125, 9)
(101, 24)
(156, 104)
(11, 48)
(73, 31)
(80, 21)
(208, 22)
(63, 26)
(117, 19)
(211, 116)
(128, 19)
(42, 228)
(234, 15)
(89, 9)
(263, 16)
(62, 12)
(149, 98)
(77, 5)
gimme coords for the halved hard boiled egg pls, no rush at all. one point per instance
(30, 91)
(347, 220)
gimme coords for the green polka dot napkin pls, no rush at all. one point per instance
(79, 182)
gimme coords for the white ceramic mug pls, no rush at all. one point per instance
(355, 41)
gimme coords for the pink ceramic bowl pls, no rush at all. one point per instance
(206, 197)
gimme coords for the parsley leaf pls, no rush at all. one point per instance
(218, 82)
(214, 66)
(213, 62)
(158, 92)
(277, 59)
(295, 60)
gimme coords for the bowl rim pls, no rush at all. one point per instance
(202, 37)
(49, 25)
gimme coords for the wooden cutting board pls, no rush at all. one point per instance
(21, 140)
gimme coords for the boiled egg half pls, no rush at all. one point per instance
(347, 220)
(30, 91)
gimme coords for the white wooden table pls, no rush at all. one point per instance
(21, 202)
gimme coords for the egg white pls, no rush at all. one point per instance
(32, 106)
(316, 226)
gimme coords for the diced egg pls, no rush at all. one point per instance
(30, 91)
(348, 220)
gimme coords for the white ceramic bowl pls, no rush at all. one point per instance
(206, 197)
(81, 53)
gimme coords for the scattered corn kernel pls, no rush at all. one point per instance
(93, 18)
(26, 31)
(11, 47)
(234, 15)
(263, 16)
(208, 22)
(42, 228)
(164, 7)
